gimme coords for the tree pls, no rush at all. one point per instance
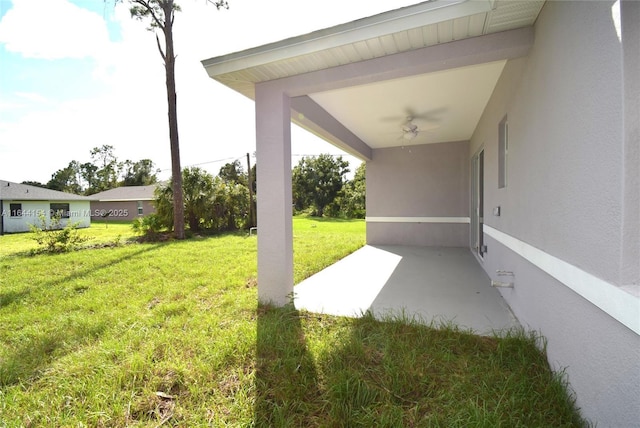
(234, 179)
(198, 192)
(34, 183)
(352, 201)
(209, 203)
(231, 205)
(88, 172)
(161, 16)
(67, 179)
(106, 174)
(101, 173)
(318, 180)
(139, 173)
(198, 199)
(233, 173)
(163, 201)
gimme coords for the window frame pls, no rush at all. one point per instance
(63, 207)
(503, 152)
(15, 212)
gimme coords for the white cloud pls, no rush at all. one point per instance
(53, 29)
(131, 114)
(32, 96)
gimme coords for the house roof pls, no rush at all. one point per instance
(126, 193)
(412, 27)
(446, 98)
(10, 191)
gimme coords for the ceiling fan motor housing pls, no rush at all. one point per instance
(410, 127)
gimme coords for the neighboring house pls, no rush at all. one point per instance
(22, 205)
(123, 203)
(522, 145)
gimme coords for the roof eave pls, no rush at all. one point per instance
(393, 21)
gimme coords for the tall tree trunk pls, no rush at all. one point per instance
(176, 170)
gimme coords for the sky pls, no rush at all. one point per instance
(79, 74)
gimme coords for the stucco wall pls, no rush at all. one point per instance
(79, 213)
(565, 132)
(120, 210)
(565, 115)
(419, 195)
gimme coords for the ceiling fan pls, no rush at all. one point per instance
(409, 129)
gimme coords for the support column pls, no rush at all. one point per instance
(275, 235)
(630, 269)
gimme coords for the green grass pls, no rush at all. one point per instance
(170, 333)
(100, 232)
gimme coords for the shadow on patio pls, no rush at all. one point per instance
(431, 283)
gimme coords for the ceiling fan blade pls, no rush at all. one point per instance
(429, 115)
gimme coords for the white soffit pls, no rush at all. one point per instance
(413, 27)
(394, 21)
(447, 105)
(455, 99)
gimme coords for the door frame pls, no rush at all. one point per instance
(476, 240)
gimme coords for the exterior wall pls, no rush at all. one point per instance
(79, 213)
(560, 224)
(120, 210)
(419, 195)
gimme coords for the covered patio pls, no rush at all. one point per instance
(429, 284)
(418, 78)
(481, 123)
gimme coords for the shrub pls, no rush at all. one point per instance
(149, 227)
(53, 237)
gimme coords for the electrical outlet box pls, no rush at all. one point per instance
(496, 211)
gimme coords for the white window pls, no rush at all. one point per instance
(140, 210)
(503, 150)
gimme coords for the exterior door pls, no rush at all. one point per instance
(477, 204)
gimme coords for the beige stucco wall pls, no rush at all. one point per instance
(120, 210)
(565, 139)
(563, 204)
(419, 195)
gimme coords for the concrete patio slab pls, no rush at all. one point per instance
(429, 283)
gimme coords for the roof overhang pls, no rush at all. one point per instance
(386, 56)
(394, 21)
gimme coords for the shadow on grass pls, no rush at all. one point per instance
(36, 351)
(366, 372)
(39, 351)
(286, 379)
(12, 297)
(330, 219)
(94, 268)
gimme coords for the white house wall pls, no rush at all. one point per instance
(419, 195)
(560, 224)
(79, 213)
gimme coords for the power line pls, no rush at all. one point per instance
(315, 155)
(233, 159)
(205, 163)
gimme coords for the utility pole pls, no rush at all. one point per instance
(250, 186)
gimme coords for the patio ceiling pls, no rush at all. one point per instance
(446, 104)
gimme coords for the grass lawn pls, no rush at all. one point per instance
(170, 334)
